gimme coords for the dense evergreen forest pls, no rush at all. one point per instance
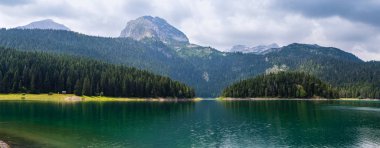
(281, 85)
(33, 72)
(352, 77)
(150, 55)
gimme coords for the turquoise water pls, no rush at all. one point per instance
(208, 123)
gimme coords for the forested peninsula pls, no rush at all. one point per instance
(281, 85)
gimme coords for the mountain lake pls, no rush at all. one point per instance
(206, 123)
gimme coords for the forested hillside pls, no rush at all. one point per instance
(35, 72)
(351, 76)
(205, 69)
(281, 85)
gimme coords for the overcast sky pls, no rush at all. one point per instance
(352, 25)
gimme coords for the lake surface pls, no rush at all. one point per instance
(208, 123)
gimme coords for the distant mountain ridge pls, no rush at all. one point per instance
(261, 49)
(296, 50)
(153, 27)
(44, 24)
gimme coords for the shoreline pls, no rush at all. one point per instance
(305, 99)
(74, 98)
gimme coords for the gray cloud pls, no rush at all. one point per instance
(15, 2)
(366, 11)
(138, 7)
(351, 25)
(55, 11)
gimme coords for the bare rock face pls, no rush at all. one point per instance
(45, 24)
(154, 27)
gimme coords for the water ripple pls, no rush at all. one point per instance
(371, 109)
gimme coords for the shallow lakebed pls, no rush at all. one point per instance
(206, 123)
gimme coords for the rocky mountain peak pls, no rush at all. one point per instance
(154, 27)
(261, 49)
(44, 24)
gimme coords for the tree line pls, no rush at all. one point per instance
(281, 85)
(35, 72)
(352, 79)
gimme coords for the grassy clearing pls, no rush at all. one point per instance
(62, 97)
(34, 97)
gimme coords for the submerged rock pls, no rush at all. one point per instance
(4, 145)
(74, 98)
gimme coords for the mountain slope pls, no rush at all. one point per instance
(352, 76)
(45, 24)
(147, 54)
(305, 51)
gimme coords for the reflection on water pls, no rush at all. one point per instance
(306, 123)
(370, 109)
(89, 124)
(207, 123)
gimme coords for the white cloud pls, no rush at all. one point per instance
(215, 23)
